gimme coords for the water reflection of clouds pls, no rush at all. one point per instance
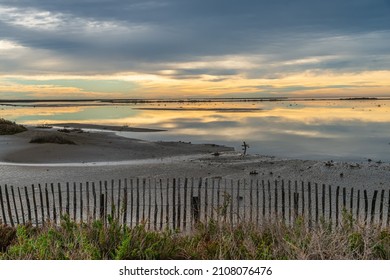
(334, 129)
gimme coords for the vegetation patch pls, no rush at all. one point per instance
(51, 138)
(214, 240)
(9, 128)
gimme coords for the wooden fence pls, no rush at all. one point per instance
(180, 203)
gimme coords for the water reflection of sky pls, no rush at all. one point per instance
(303, 129)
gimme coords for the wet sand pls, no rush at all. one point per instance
(105, 156)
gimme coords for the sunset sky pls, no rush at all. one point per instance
(191, 48)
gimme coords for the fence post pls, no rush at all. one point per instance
(316, 192)
(47, 202)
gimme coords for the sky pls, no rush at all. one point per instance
(56, 49)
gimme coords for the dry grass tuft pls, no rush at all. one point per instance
(51, 138)
(9, 128)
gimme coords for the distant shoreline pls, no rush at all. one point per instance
(103, 102)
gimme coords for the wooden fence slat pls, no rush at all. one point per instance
(365, 206)
(178, 204)
(81, 203)
(15, 206)
(155, 205)
(137, 214)
(21, 206)
(283, 203)
(351, 202)
(60, 198)
(231, 202)
(101, 208)
(337, 205)
(251, 202)
(323, 200)
(105, 202)
(42, 204)
(257, 202)
(205, 200)
(167, 206)
(330, 202)
(212, 198)
(162, 204)
(94, 200)
(388, 209)
(344, 199)
(125, 202)
(4, 218)
(317, 202)
(150, 204)
(358, 207)
(47, 203)
(54, 203)
(263, 191)
(28, 205)
(112, 200)
(381, 207)
(185, 204)
(67, 200)
(276, 199)
(289, 202)
(174, 203)
(296, 205)
(35, 205)
(269, 201)
(309, 206)
(143, 199)
(303, 198)
(11, 219)
(373, 203)
(119, 199)
(131, 202)
(74, 201)
(88, 205)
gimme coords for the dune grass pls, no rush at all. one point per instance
(10, 128)
(95, 240)
(51, 138)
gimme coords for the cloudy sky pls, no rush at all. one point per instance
(190, 48)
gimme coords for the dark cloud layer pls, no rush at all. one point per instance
(109, 36)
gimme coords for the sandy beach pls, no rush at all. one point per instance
(105, 156)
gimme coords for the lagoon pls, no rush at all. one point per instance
(352, 130)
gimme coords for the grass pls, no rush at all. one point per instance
(113, 241)
(10, 128)
(51, 138)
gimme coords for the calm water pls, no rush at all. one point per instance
(340, 130)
